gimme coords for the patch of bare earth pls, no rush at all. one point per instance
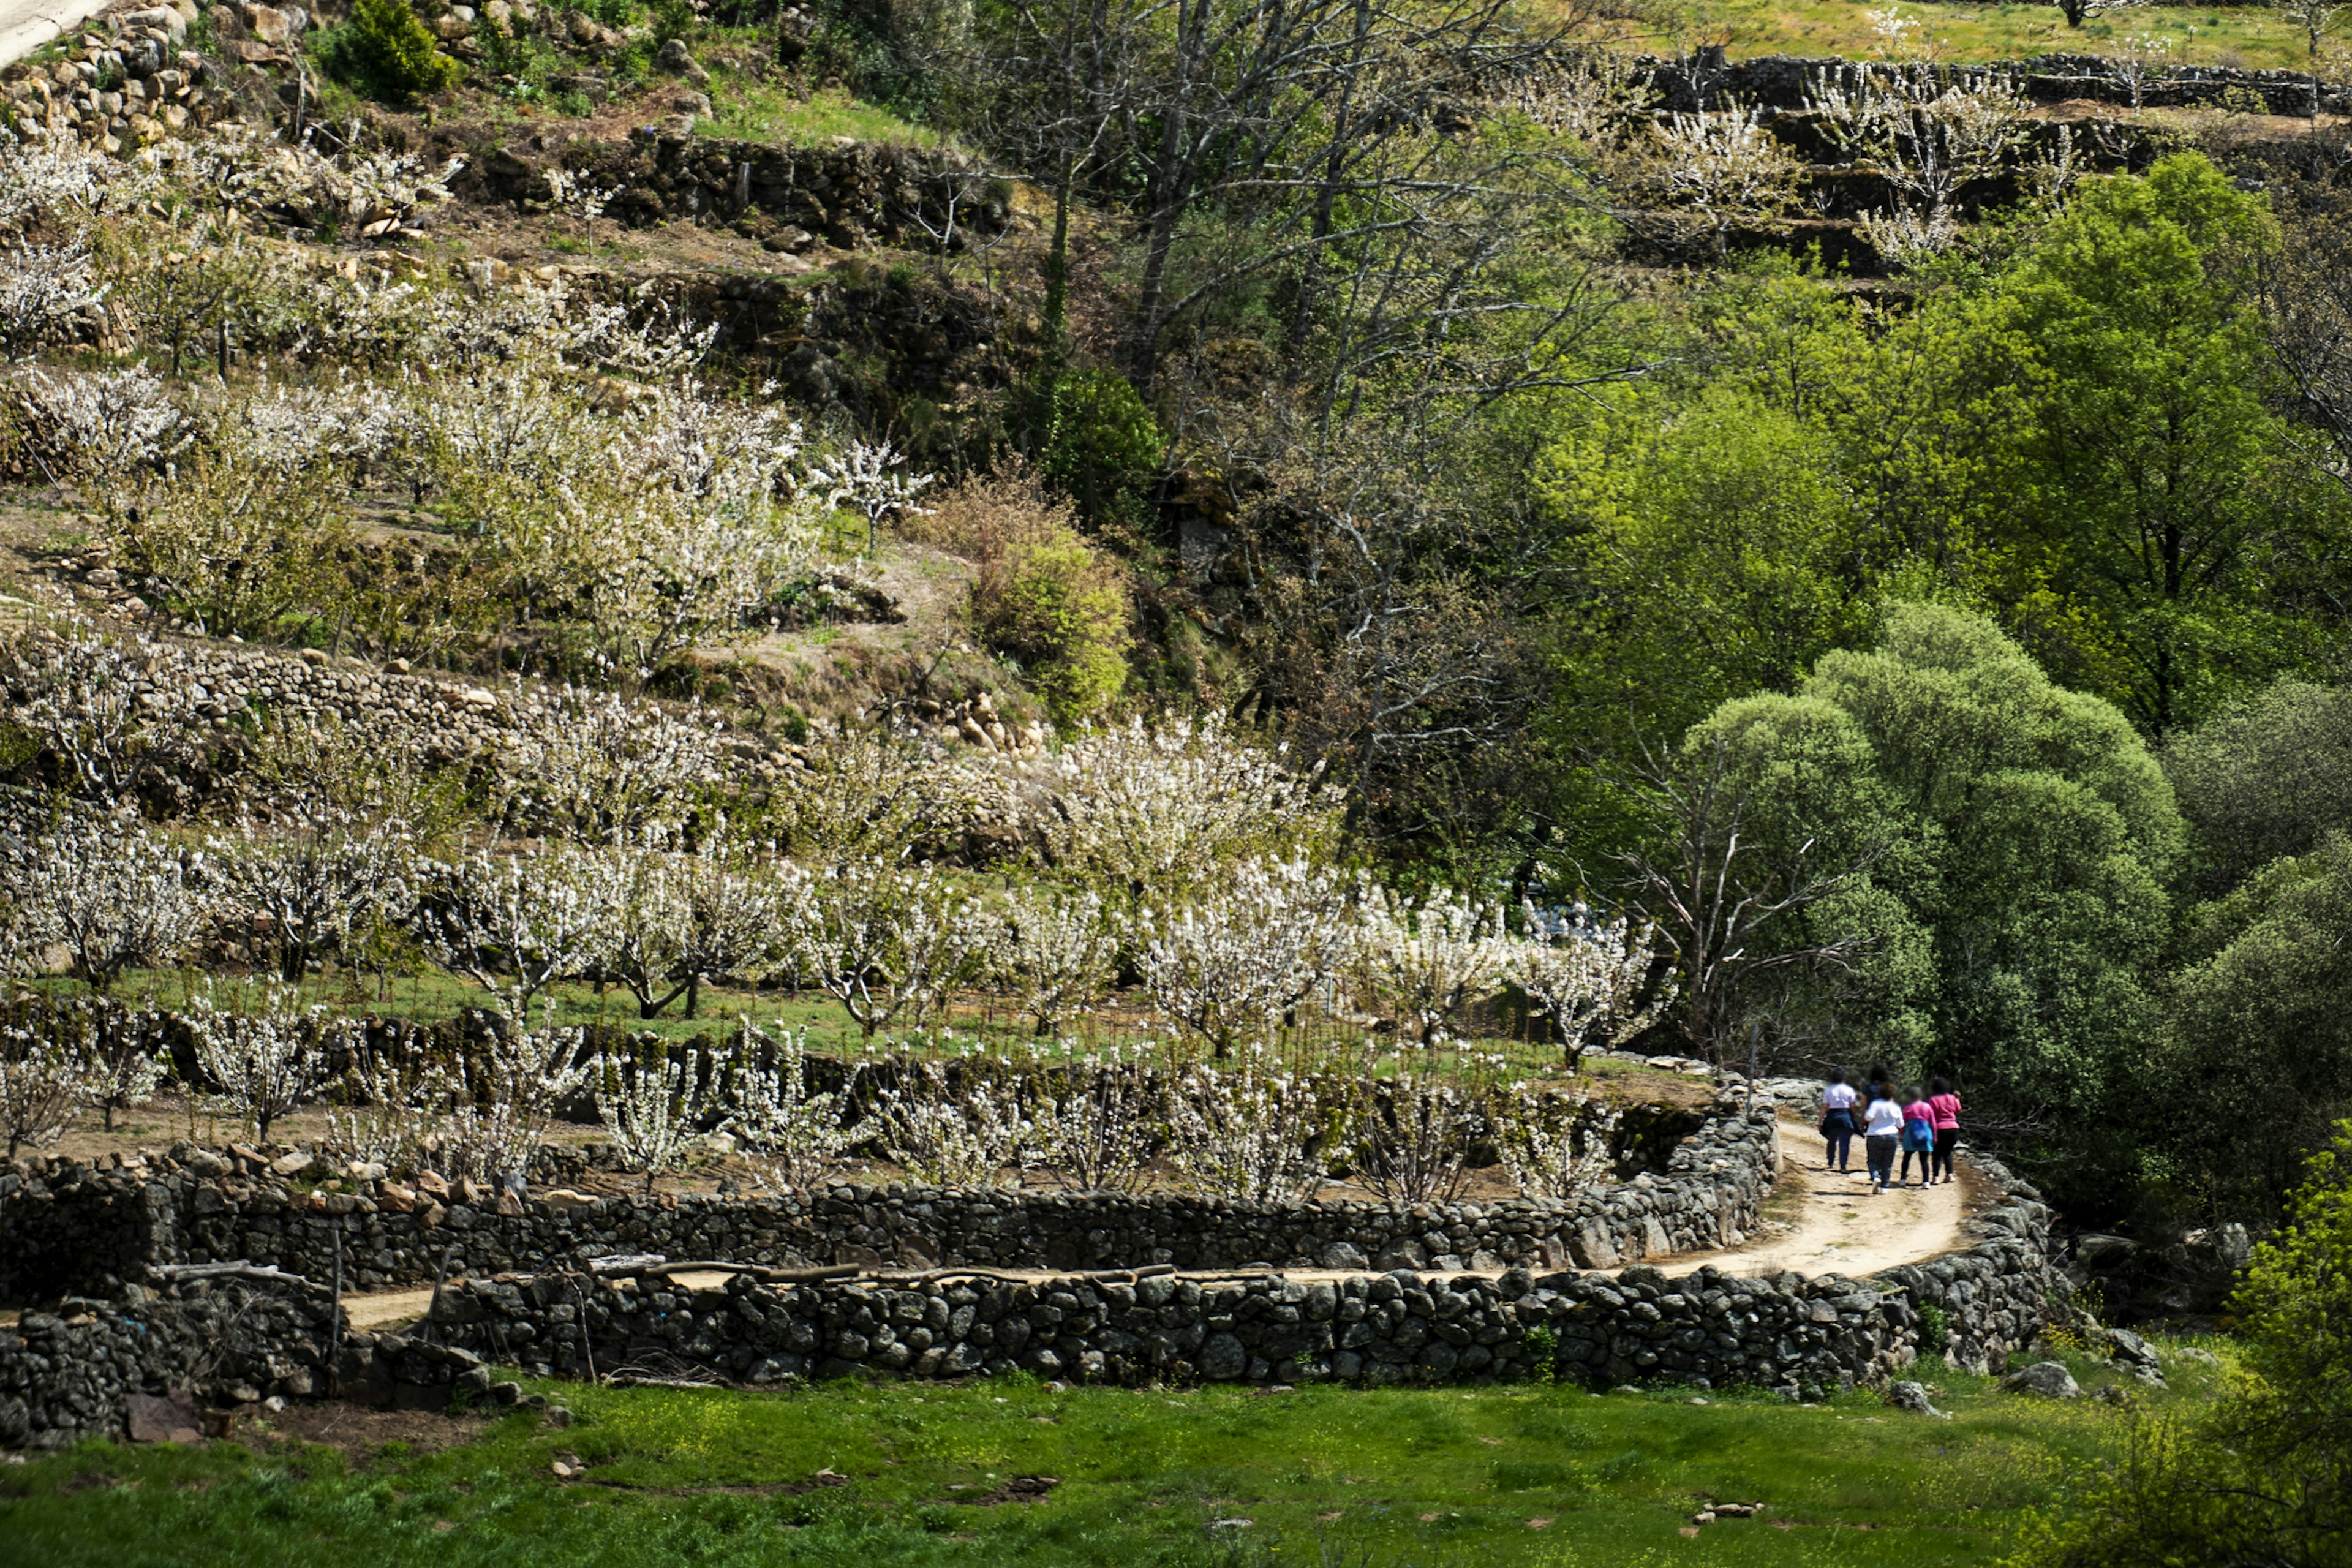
(360, 1432)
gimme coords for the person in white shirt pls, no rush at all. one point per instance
(1882, 1130)
(1837, 1103)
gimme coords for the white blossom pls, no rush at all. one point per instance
(1555, 1146)
(1427, 958)
(1250, 1133)
(90, 702)
(1054, 951)
(651, 1105)
(884, 940)
(41, 1085)
(306, 891)
(682, 920)
(519, 923)
(861, 478)
(43, 290)
(1153, 808)
(1096, 1119)
(264, 1062)
(386, 1112)
(112, 897)
(499, 1093)
(792, 1134)
(1413, 1136)
(94, 423)
(959, 1127)
(1241, 956)
(1586, 974)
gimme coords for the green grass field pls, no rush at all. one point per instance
(1545, 1475)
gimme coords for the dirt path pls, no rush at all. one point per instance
(1841, 1228)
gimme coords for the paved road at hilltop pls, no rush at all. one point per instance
(26, 24)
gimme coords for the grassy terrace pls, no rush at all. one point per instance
(921, 1475)
(2253, 37)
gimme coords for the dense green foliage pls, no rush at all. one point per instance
(2006, 841)
(2261, 1476)
(1059, 609)
(386, 51)
(1382, 1478)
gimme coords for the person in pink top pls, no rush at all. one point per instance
(1945, 1107)
(1918, 1137)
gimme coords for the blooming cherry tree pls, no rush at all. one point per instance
(263, 1061)
(519, 923)
(884, 940)
(112, 897)
(1150, 810)
(1237, 959)
(652, 1105)
(792, 1134)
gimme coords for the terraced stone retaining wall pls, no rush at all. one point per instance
(70, 1374)
(1708, 79)
(86, 1230)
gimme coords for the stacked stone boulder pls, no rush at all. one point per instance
(70, 1372)
(1405, 1326)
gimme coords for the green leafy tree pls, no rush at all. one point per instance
(2158, 559)
(1769, 825)
(2049, 827)
(1712, 555)
(1101, 447)
(2261, 1015)
(2265, 777)
(1060, 609)
(1985, 851)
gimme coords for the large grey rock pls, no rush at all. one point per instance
(1912, 1397)
(2049, 1379)
(1345, 1254)
(1223, 1359)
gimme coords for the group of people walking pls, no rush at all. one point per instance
(1891, 1120)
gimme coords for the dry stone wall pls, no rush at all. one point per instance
(71, 1373)
(849, 193)
(1709, 79)
(77, 1228)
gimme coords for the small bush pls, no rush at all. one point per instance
(1042, 595)
(386, 52)
(1935, 1330)
(2260, 1476)
(1102, 446)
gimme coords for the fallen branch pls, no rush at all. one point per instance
(240, 1270)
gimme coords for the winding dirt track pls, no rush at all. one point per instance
(1843, 1227)
(1839, 1229)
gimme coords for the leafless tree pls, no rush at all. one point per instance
(1728, 901)
(1324, 119)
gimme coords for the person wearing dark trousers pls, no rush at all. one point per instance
(1882, 1130)
(1919, 1137)
(1837, 1103)
(1947, 1107)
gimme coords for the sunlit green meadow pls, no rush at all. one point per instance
(904, 1473)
